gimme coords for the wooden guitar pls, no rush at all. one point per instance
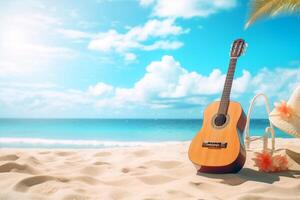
(218, 147)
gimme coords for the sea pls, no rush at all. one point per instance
(105, 133)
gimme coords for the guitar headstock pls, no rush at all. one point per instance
(238, 48)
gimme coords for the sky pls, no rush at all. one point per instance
(139, 58)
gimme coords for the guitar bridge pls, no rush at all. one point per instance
(216, 145)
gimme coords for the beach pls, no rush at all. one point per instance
(158, 171)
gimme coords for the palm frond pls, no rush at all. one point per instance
(261, 8)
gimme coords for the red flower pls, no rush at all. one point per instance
(263, 161)
(266, 163)
(283, 108)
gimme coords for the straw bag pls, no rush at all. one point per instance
(269, 131)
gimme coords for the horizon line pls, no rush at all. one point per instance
(94, 118)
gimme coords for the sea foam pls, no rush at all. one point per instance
(41, 142)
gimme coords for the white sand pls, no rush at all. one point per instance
(153, 172)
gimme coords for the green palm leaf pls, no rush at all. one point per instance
(261, 8)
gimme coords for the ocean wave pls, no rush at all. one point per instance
(41, 142)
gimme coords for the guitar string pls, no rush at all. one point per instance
(225, 99)
(227, 91)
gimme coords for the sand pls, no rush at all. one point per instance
(151, 172)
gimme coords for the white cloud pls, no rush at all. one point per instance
(155, 28)
(137, 37)
(163, 44)
(41, 99)
(27, 58)
(187, 8)
(23, 47)
(31, 86)
(100, 89)
(166, 84)
(277, 83)
(240, 84)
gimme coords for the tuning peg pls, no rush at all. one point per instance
(245, 48)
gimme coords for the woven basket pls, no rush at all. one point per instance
(269, 131)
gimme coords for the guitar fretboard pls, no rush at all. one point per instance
(227, 87)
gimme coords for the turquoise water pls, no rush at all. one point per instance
(94, 133)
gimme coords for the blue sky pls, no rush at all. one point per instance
(138, 59)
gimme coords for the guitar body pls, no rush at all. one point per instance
(220, 149)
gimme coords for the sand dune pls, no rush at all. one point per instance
(152, 172)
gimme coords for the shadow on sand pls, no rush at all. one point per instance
(247, 174)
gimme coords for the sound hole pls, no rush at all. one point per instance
(220, 120)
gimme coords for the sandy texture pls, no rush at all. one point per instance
(154, 172)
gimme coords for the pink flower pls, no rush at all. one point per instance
(268, 163)
(280, 163)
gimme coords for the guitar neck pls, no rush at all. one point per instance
(225, 99)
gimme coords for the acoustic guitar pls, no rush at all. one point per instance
(218, 147)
